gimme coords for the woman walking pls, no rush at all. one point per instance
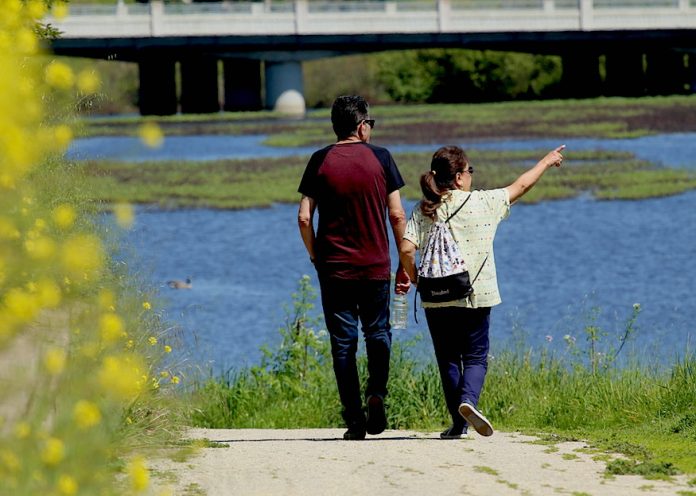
(459, 328)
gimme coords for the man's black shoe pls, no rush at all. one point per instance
(354, 433)
(453, 432)
(376, 416)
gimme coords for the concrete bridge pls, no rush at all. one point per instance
(647, 43)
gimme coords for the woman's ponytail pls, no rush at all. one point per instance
(432, 197)
(446, 163)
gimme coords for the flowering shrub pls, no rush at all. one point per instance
(78, 344)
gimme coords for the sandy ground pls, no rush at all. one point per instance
(319, 462)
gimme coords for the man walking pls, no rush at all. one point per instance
(355, 187)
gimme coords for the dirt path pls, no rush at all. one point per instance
(319, 462)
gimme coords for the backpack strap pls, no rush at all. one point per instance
(485, 259)
(458, 209)
(480, 269)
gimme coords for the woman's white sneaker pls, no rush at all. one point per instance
(475, 419)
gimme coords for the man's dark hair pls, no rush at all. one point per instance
(346, 114)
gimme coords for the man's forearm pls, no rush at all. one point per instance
(308, 238)
(305, 223)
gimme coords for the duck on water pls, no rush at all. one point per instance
(178, 284)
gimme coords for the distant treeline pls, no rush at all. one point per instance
(409, 76)
(435, 76)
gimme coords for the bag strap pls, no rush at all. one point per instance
(458, 209)
(485, 259)
(480, 269)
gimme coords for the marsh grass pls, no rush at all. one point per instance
(600, 117)
(234, 184)
(641, 411)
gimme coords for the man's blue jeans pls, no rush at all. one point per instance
(460, 339)
(344, 303)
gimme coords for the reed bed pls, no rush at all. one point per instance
(235, 184)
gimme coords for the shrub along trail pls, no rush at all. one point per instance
(397, 462)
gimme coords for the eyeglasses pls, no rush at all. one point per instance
(470, 170)
(369, 122)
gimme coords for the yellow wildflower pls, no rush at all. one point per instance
(64, 216)
(21, 304)
(164, 374)
(86, 414)
(111, 327)
(124, 214)
(139, 474)
(130, 344)
(175, 379)
(82, 254)
(53, 451)
(10, 461)
(167, 348)
(7, 229)
(22, 430)
(40, 248)
(152, 340)
(63, 136)
(151, 135)
(60, 10)
(54, 361)
(120, 376)
(48, 293)
(146, 305)
(67, 485)
(59, 75)
(36, 9)
(88, 81)
(6, 180)
(26, 42)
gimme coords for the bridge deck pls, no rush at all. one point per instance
(303, 17)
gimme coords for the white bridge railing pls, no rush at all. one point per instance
(308, 17)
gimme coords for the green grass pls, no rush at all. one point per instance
(234, 184)
(599, 118)
(642, 412)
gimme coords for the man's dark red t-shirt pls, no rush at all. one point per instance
(350, 183)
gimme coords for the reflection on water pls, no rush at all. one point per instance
(556, 261)
(673, 150)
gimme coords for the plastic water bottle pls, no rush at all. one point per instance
(399, 311)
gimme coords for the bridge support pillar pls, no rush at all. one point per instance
(692, 72)
(581, 77)
(157, 91)
(199, 86)
(665, 73)
(285, 87)
(624, 74)
(242, 84)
